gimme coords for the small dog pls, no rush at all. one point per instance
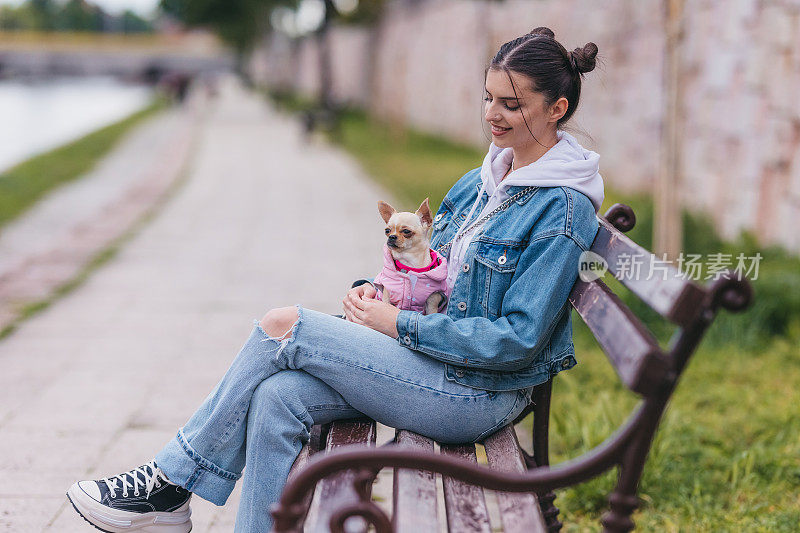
(413, 276)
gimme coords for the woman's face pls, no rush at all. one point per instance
(504, 110)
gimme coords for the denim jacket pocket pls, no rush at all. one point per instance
(496, 262)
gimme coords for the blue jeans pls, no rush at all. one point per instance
(325, 369)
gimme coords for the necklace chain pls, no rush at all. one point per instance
(445, 250)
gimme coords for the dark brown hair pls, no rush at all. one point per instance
(554, 71)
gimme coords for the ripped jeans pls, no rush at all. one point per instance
(324, 369)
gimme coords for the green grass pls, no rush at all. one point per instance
(727, 455)
(22, 185)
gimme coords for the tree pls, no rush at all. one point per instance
(10, 19)
(368, 11)
(237, 22)
(133, 23)
(667, 227)
(42, 13)
(76, 15)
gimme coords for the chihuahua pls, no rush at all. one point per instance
(414, 277)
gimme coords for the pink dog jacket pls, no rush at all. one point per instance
(408, 290)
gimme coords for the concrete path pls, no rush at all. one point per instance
(99, 381)
(55, 239)
(51, 220)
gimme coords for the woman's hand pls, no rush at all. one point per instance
(356, 294)
(361, 307)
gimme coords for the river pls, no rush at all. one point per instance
(36, 116)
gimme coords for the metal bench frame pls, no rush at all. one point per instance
(642, 365)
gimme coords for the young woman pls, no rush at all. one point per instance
(513, 231)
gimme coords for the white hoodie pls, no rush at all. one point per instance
(566, 164)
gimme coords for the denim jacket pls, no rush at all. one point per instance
(508, 322)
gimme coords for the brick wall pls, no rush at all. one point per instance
(423, 65)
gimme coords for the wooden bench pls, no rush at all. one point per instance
(343, 476)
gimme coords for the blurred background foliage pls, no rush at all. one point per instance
(236, 22)
(72, 15)
(240, 23)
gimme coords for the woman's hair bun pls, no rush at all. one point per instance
(541, 30)
(583, 59)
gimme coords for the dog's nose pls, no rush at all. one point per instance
(392, 238)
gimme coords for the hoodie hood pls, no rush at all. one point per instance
(567, 164)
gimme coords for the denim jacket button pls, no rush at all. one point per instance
(460, 372)
(407, 339)
(462, 306)
(465, 267)
(438, 218)
(565, 363)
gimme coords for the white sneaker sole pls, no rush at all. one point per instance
(116, 521)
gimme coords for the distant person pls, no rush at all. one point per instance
(512, 232)
(176, 85)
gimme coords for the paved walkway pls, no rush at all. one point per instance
(99, 381)
(61, 233)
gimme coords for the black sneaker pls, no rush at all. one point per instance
(142, 499)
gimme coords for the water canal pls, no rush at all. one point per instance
(38, 115)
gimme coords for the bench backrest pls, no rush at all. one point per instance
(642, 365)
(640, 362)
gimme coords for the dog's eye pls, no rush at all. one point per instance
(407, 233)
(388, 231)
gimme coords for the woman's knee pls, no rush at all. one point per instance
(278, 322)
(283, 396)
(277, 411)
(278, 389)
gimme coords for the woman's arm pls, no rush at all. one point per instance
(545, 275)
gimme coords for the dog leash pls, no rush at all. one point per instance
(445, 249)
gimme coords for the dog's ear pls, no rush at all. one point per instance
(424, 213)
(386, 211)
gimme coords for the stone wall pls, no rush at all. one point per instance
(423, 65)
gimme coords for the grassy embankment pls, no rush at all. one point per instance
(22, 185)
(727, 456)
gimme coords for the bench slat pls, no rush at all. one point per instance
(631, 348)
(337, 490)
(309, 449)
(656, 282)
(519, 512)
(414, 491)
(465, 504)
(300, 462)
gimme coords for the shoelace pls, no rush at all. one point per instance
(150, 480)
